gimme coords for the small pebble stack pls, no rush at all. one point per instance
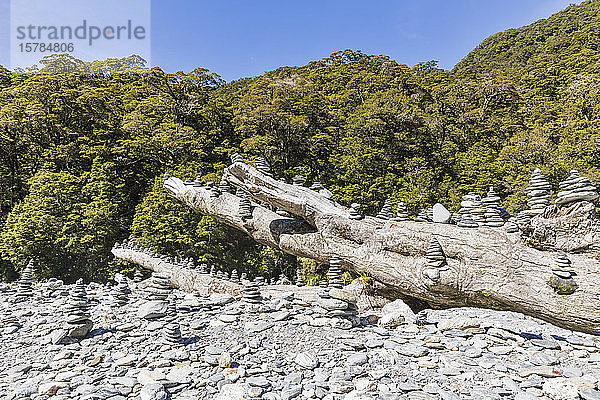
(355, 211)
(122, 292)
(224, 186)
(422, 216)
(299, 180)
(316, 186)
(575, 189)
(435, 254)
(234, 276)
(138, 276)
(159, 287)
(401, 212)
(245, 207)
(236, 157)
(492, 209)
(299, 278)
(260, 281)
(78, 319)
(203, 268)
(466, 221)
(171, 331)
(262, 166)
(251, 293)
(334, 274)
(386, 211)
(563, 267)
(24, 288)
(538, 192)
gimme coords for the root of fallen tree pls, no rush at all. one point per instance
(484, 267)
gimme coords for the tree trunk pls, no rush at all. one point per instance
(485, 267)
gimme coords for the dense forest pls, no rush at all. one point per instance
(83, 152)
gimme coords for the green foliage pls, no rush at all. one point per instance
(82, 154)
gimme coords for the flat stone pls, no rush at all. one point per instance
(307, 360)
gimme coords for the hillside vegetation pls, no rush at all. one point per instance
(82, 154)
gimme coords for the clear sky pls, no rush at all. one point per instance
(237, 39)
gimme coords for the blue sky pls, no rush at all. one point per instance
(237, 39)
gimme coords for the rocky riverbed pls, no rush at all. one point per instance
(286, 349)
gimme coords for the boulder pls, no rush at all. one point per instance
(440, 214)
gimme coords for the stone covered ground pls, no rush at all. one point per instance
(287, 351)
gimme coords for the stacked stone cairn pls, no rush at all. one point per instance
(299, 180)
(355, 211)
(283, 280)
(435, 260)
(234, 276)
(213, 271)
(422, 216)
(138, 276)
(262, 166)
(260, 281)
(562, 279)
(386, 211)
(203, 268)
(171, 331)
(511, 225)
(213, 190)
(333, 306)
(157, 292)
(575, 189)
(299, 278)
(471, 204)
(244, 277)
(122, 292)
(245, 207)
(236, 157)
(224, 186)
(539, 193)
(466, 221)
(78, 321)
(317, 186)
(24, 287)
(198, 182)
(323, 283)
(220, 275)
(334, 274)
(251, 293)
(401, 212)
(492, 213)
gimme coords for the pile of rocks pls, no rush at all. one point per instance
(262, 166)
(401, 212)
(386, 211)
(299, 180)
(472, 206)
(492, 213)
(171, 331)
(334, 274)
(245, 207)
(122, 292)
(236, 157)
(299, 278)
(435, 260)
(575, 189)
(24, 289)
(157, 293)
(355, 212)
(539, 193)
(78, 321)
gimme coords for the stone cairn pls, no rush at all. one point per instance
(245, 207)
(562, 279)
(333, 306)
(423, 216)
(539, 193)
(122, 292)
(171, 331)
(511, 225)
(203, 268)
(198, 182)
(251, 293)
(334, 274)
(213, 271)
(262, 166)
(575, 189)
(471, 210)
(316, 186)
(234, 276)
(299, 180)
(138, 276)
(492, 213)
(244, 277)
(213, 190)
(24, 287)
(355, 211)
(436, 260)
(386, 211)
(283, 280)
(78, 319)
(220, 275)
(224, 186)
(236, 157)
(159, 287)
(299, 278)
(401, 212)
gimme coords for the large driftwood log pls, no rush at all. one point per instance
(486, 267)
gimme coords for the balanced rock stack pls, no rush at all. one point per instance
(24, 288)
(334, 274)
(122, 291)
(299, 278)
(299, 180)
(562, 280)
(436, 260)
(471, 204)
(511, 225)
(236, 157)
(198, 182)
(158, 291)
(466, 221)
(575, 189)
(214, 191)
(213, 271)
(334, 303)
(260, 281)
(422, 216)
(245, 207)
(323, 283)
(203, 268)
(171, 331)
(539, 193)
(262, 166)
(78, 319)
(234, 276)
(316, 186)
(283, 280)
(244, 277)
(251, 293)
(138, 276)
(492, 209)
(224, 186)
(401, 212)
(386, 211)
(355, 211)
(220, 275)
